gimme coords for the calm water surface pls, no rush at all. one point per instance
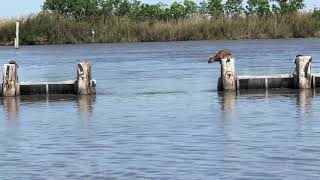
(157, 115)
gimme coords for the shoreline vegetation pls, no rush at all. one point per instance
(179, 22)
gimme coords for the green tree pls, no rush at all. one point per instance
(287, 6)
(105, 7)
(258, 7)
(215, 7)
(190, 7)
(177, 10)
(166, 13)
(151, 11)
(316, 13)
(123, 8)
(59, 6)
(234, 7)
(135, 8)
(72, 7)
(203, 7)
(85, 7)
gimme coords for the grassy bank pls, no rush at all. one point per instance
(57, 29)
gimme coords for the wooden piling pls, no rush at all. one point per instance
(16, 40)
(10, 85)
(228, 74)
(302, 76)
(85, 84)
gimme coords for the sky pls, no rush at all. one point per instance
(14, 8)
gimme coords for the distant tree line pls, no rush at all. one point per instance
(136, 9)
(109, 21)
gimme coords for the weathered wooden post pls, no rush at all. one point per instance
(302, 76)
(11, 86)
(85, 84)
(16, 40)
(228, 75)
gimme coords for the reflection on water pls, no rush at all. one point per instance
(85, 103)
(228, 103)
(11, 107)
(252, 139)
(303, 96)
(228, 100)
(304, 100)
(85, 106)
(162, 93)
(158, 116)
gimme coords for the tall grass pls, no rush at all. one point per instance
(6, 30)
(4, 21)
(47, 28)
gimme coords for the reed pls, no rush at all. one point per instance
(45, 28)
(5, 21)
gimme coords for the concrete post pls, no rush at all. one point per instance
(85, 84)
(228, 74)
(303, 77)
(11, 86)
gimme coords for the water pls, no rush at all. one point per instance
(157, 115)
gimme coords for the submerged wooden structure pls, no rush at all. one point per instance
(302, 78)
(83, 85)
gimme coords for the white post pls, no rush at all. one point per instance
(93, 34)
(16, 40)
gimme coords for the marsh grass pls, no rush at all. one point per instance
(5, 21)
(47, 28)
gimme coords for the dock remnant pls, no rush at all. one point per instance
(83, 85)
(10, 85)
(301, 79)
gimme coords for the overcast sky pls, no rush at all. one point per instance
(12, 8)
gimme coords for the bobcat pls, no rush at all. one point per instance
(220, 55)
